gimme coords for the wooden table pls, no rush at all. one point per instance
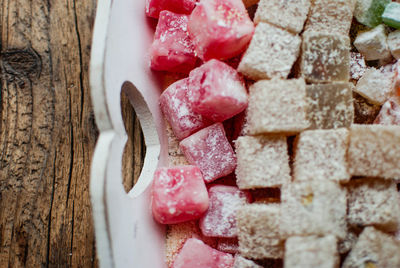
(48, 134)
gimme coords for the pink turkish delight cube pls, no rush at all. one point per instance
(172, 49)
(196, 254)
(220, 218)
(178, 111)
(154, 7)
(228, 245)
(179, 194)
(220, 29)
(217, 91)
(389, 113)
(209, 149)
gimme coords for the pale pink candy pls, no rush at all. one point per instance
(196, 254)
(216, 91)
(209, 149)
(178, 194)
(220, 218)
(178, 111)
(154, 7)
(228, 245)
(389, 113)
(172, 49)
(220, 29)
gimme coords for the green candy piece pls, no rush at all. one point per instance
(369, 12)
(391, 16)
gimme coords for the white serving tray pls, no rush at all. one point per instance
(126, 234)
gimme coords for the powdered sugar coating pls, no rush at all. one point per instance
(389, 113)
(357, 65)
(210, 150)
(220, 218)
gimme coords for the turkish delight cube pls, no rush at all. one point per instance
(210, 150)
(369, 12)
(331, 16)
(321, 155)
(272, 53)
(325, 57)
(172, 49)
(374, 151)
(277, 106)
(389, 113)
(313, 208)
(373, 202)
(377, 85)
(178, 194)
(330, 105)
(196, 254)
(262, 161)
(391, 15)
(220, 218)
(216, 91)
(241, 262)
(393, 41)
(220, 29)
(154, 7)
(178, 111)
(259, 231)
(288, 15)
(357, 65)
(373, 43)
(228, 245)
(311, 251)
(374, 249)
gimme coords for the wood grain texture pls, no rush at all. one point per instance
(48, 134)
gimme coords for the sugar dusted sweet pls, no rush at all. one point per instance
(262, 161)
(373, 43)
(313, 208)
(154, 7)
(211, 151)
(216, 91)
(373, 202)
(220, 218)
(288, 15)
(220, 29)
(331, 16)
(241, 262)
(178, 194)
(357, 65)
(321, 155)
(325, 57)
(311, 251)
(391, 15)
(259, 231)
(374, 151)
(196, 254)
(393, 41)
(374, 249)
(369, 12)
(390, 112)
(330, 105)
(277, 106)
(272, 53)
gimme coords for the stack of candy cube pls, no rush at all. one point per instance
(284, 132)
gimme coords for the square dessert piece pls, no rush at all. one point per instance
(277, 106)
(196, 254)
(289, 15)
(333, 16)
(325, 57)
(262, 161)
(241, 262)
(376, 85)
(374, 151)
(259, 231)
(369, 12)
(374, 249)
(394, 43)
(390, 112)
(272, 53)
(210, 150)
(313, 208)
(321, 155)
(373, 202)
(330, 105)
(373, 44)
(220, 218)
(311, 251)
